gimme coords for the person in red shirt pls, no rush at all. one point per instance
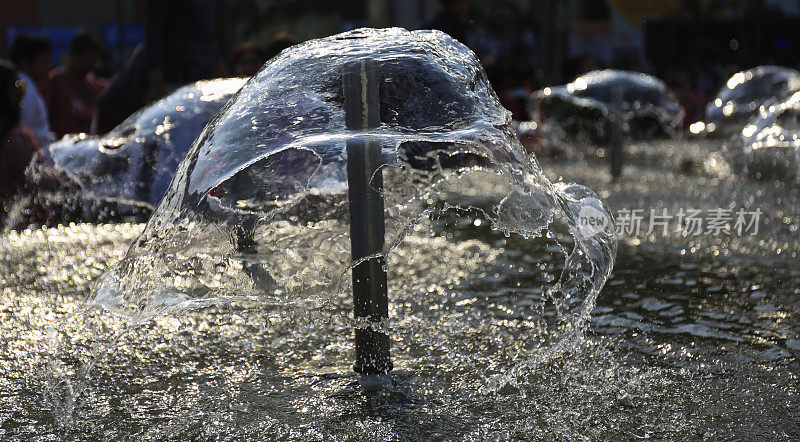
(691, 100)
(72, 90)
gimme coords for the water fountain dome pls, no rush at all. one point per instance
(134, 162)
(258, 209)
(769, 145)
(744, 93)
(583, 109)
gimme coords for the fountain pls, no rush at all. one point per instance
(601, 110)
(767, 147)
(584, 111)
(231, 315)
(406, 124)
(134, 163)
(743, 94)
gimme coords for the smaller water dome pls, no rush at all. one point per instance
(582, 110)
(134, 162)
(740, 98)
(769, 146)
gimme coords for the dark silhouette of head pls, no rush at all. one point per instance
(31, 54)
(247, 59)
(279, 42)
(456, 7)
(11, 92)
(84, 52)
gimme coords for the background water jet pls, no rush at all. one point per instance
(739, 100)
(584, 112)
(134, 163)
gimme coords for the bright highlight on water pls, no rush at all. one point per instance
(230, 314)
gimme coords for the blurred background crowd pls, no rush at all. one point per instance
(83, 66)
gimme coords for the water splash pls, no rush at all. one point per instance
(768, 147)
(581, 112)
(744, 93)
(771, 142)
(257, 212)
(134, 163)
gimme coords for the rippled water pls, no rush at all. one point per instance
(188, 335)
(693, 337)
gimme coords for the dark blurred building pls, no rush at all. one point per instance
(753, 34)
(117, 22)
(560, 38)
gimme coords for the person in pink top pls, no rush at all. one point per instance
(72, 90)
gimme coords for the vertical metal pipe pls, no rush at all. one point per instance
(616, 132)
(367, 222)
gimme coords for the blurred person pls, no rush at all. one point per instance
(279, 42)
(691, 100)
(182, 44)
(123, 95)
(18, 144)
(451, 19)
(247, 59)
(31, 55)
(104, 68)
(73, 89)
